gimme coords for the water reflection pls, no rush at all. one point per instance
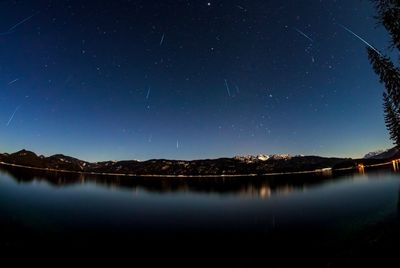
(395, 164)
(398, 203)
(260, 187)
(85, 215)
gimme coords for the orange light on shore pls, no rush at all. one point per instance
(361, 168)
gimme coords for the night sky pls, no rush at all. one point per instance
(102, 80)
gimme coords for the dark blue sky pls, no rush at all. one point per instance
(189, 79)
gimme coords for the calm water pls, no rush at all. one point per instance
(95, 211)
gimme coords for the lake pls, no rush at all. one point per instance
(255, 218)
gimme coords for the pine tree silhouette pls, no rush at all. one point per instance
(389, 74)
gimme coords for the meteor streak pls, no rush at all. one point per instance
(12, 116)
(227, 88)
(148, 93)
(13, 81)
(360, 38)
(162, 39)
(303, 34)
(21, 22)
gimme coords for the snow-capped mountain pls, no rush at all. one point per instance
(382, 154)
(374, 154)
(262, 157)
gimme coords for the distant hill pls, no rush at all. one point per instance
(239, 165)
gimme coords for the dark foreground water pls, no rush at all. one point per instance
(280, 221)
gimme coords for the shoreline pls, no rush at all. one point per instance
(318, 171)
(323, 171)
